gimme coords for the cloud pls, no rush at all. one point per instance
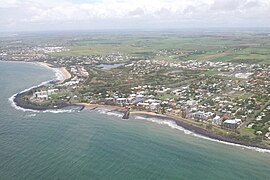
(37, 14)
(227, 5)
(252, 4)
(136, 13)
(8, 3)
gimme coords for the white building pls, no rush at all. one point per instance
(44, 95)
(154, 106)
(121, 101)
(138, 98)
(201, 115)
(52, 91)
(217, 120)
(232, 123)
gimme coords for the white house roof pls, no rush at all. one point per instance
(216, 118)
(232, 121)
(121, 99)
(140, 96)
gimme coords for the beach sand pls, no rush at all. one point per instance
(65, 73)
(63, 70)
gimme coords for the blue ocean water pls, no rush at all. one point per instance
(98, 145)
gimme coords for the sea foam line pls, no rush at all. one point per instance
(58, 74)
(58, 77)
(13, 104)
(110, 113)
(173, 125)
(170, 123)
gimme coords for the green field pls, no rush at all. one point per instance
(235, 47)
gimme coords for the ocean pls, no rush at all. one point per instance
(100, 145)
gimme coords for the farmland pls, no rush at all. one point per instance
(236, 48)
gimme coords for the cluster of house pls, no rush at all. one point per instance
(259, 132)
(141, 100)
(30, 53)
(199, 91)
(79, 74)
(50, 49)
(132, 99)
(224, 68)
(215, 119)
(79, 71)
(90, 60)
(44, 94)
(190, 95)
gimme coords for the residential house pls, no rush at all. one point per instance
(232, 123)
(217, 120)
(121, 100)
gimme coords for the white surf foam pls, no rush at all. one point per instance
(56, 111)
(110, 113)
(103, 111)
(58, 77)
(115, 114)
(173, 125)
(169, 123)
(31, 115)
(13, 104)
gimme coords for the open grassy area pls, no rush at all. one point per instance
(241, 95)
(239, 48)
(247, 132)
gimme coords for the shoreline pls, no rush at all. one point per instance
(26, 106)
(43, 64)
(197, 131)
(19, 103)
(64, 74)
(202, 132)
(61, 75)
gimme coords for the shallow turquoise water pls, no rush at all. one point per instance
(91, 145)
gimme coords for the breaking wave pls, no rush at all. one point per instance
(56, 111)
(58, 77)
(13, 104)
(31, 115)
(110, 113)
(173, 125)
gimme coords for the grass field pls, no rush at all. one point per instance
(235, 47)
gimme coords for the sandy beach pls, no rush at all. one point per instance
(61, 73)
(65, 73)
(63, 70)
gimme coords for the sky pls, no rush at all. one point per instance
(43, 15)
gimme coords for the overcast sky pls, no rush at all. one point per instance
(31, 15)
